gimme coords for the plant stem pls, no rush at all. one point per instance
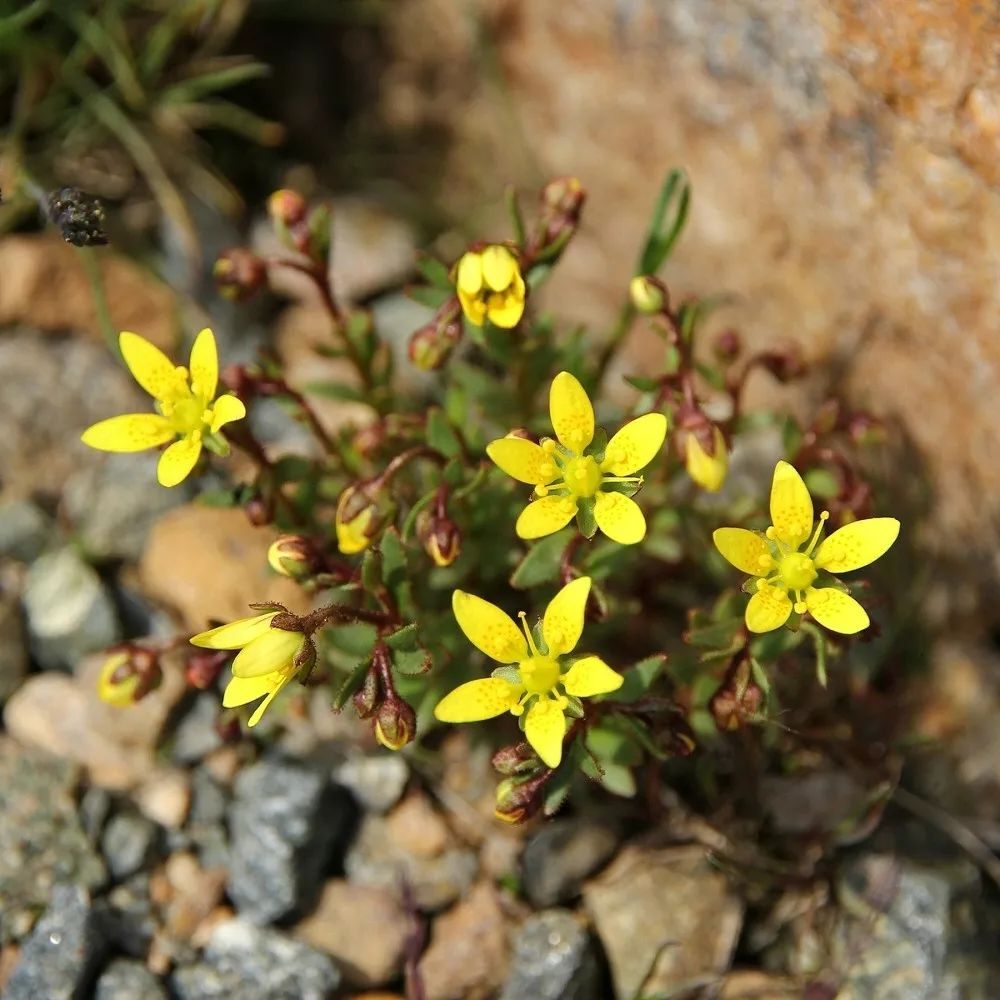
(92, 268)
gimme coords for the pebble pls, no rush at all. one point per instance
(165, 797)
(13, 645)
(127, 979)
(377, 781)
(25, 530)
(560, 855)
(244, 962)
(128, 843)
(285, 822)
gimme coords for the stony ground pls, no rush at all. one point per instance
(142, 855)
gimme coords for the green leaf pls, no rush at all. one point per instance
(585, 520)
(352, 682)
(334, 390)
(541, 564)
(557, 790)
(822, 483)
(441, 435)
(218, 498)
(434, 271)
(643, 384)
(615, 778)
(410, 524)
(639, 678)
(412, 662)
(291, 469)
(669, 215)
(371, 570)
(428, 296)
(393, 558)
(513, 206)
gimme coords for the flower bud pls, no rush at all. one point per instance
(128, 675)
(783, 365)
(564, 196)
(727, 345)
(738, 699)
(395, 722)
(431, 345)
(649, 296)
(79, 217)
(368, 697)
(204, 666)
(440, 536)
(517, 801)
(258, 510)
(239, 274)
(356, 519)
(518, 758)
(287, 208)
(708, 470)
(292, 556)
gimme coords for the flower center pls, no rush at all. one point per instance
(582, 476)
(186, 414)
(797, 571)
(539, 674)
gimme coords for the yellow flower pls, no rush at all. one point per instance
(490, 286)
(186, 403)
(118, 681)
(564, 477)
(267, 661)
(708, 471)
(781, 570)
(529, 683)
(353, 521)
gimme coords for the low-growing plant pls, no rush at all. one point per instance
(669, 586)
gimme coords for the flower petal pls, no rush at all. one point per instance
(563, 619)
(129, 432)
(746, 550)
(635, 445)
(545, 516)
(488, 628)
(791, 506)
(226, 409)
(545, 730)
(204, 365)
(507, 313)
(178, 460)
(523, 460)
(478, 700)
(469, 278)
(571, 412)
(620, 518)
(243, 690)
(768, 609)
(274, 650)
(499, 267)
(708, 471)
(836, 610)
(236, 634)
(591, 676)
(857, 544)
(150, 367)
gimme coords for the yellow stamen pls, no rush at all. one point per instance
(819, 530)
(527, 634)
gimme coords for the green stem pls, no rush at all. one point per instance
(819, 641)
(92, 268)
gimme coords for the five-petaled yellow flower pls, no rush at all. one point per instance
(185, 399)
(782, 570)
(529, 685)
(565, 477)
(267, 660)
(490, 286)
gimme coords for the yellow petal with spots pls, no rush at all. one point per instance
(545, 730)
(473, 307)
(178, 460)
(620, 518)
(150, 367)
(791, 506)
(591, 676)
(478, 700)
(836, 610)
(469, 279)
(204, 365)
(234, 635)
(499, 267)
(272, 651)
(523, 460)
(635, 445)
(857, 544)
(506, 313)
(129, 432)
(768, 609)
(562, 623)
(746, 550)
(225, 410)
(489, 628)
(545, 516)
(571, 412)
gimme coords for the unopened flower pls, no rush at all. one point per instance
(490, 286)
(355, 521)
(239, 274)
(534, 682)
(291, 555)
(439, 534)
(784, 575)
(287, 207)
(395, 723)
(707, 470)
(431, 345)
(128, 675)
(269, 658)
(518, 799)
(564, 476)
(189, 414)
(647, 294)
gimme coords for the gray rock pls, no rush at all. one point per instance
(68, 609)
(93, 810)
(126, 979)
(285, 821)
(554, 959)
(41, 840)
(24, 530)
(13, 646)
(377, 781)
(128, 842)
(561, 855)
(196, 735)
(112, 508)
(205, 829)
(128, 916)
(60, 958)
(254, 963)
